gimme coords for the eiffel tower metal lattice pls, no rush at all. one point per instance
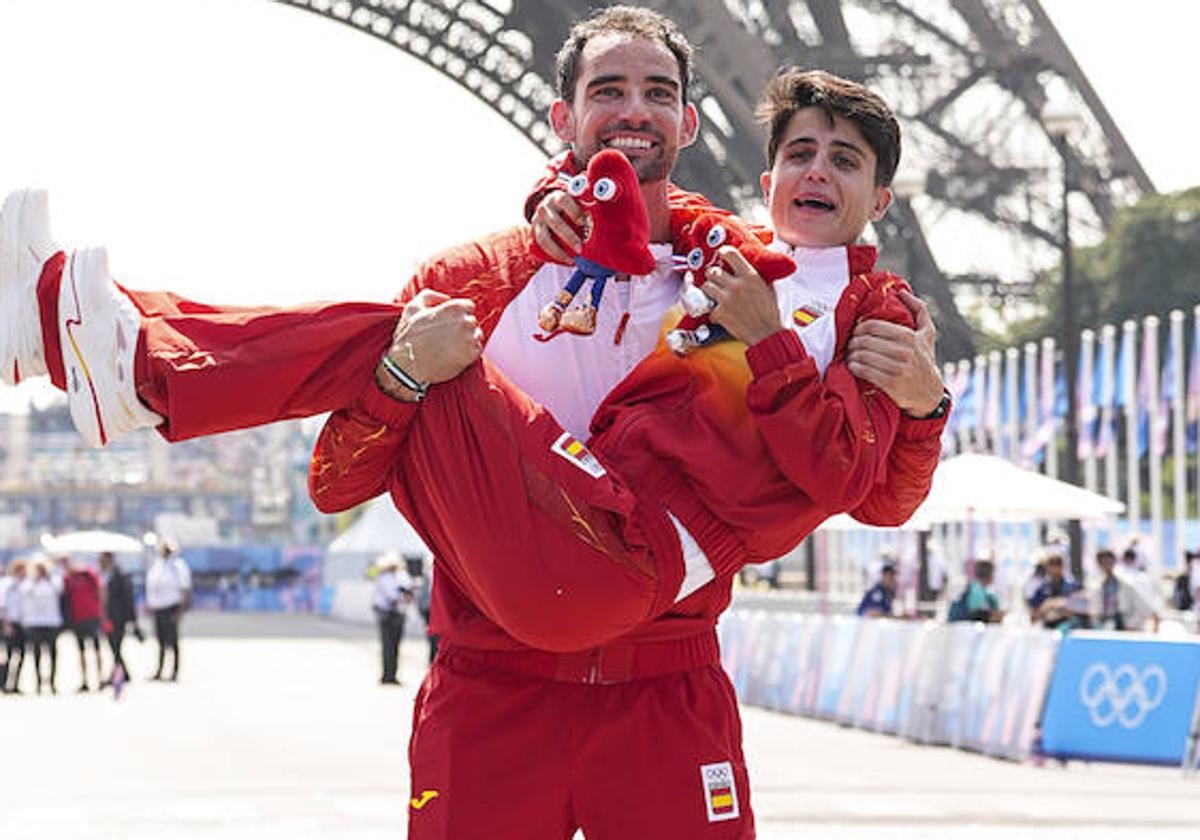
(970, 80)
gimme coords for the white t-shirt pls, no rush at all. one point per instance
(39, 603)
(6, 585)
(390, 588)
(166, 582)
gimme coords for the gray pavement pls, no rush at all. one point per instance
(278, 731)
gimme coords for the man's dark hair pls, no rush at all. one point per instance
(621, 20)
(794, 89)
(984, 570)
(1106, 553)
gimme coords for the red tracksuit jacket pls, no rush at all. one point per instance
(874, 461)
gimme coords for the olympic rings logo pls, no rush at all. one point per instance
(1125, 695)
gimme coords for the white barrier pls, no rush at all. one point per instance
(968, 685)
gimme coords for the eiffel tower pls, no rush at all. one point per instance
(970, 80)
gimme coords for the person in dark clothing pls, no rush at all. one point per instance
(119, 610)
(877, 601)
(84, 612)
(1052, 604)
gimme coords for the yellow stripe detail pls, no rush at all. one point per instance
(725, 801)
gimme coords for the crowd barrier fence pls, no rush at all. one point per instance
(1003, 691)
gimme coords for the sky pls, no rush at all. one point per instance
(247, 152)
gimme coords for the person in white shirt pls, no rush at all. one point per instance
(393, 593)
(13, 636)
(168, 593)
(41, 615)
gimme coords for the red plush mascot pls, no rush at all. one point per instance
(617, 240)
(708, 234)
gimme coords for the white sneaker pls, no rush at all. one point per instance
(25, 245)
(98, 327)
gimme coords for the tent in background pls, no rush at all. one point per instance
(380, 528)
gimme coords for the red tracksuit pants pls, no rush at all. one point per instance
(560, 557)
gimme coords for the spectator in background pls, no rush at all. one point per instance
(83, 605)
(877, 601)
(41, 614)
(120, 610)
(393, 594)
(1052, 604)
(12, 634)
(1133, 568)
(978, 602)
(168, 593)
(1115, 603)
(1183, 592)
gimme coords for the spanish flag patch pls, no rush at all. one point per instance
(805, 315)
(720, 792)
(578, 454)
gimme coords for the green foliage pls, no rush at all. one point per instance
(1148, 264)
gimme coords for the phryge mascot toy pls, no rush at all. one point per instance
(616, 241)
(708, 234)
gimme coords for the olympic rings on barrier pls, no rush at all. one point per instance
(1125, 695)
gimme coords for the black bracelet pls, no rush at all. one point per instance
(404, 378)
(939, 411)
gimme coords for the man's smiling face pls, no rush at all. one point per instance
(821, 188)
(627, 97)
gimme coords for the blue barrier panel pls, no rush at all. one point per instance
(791, 659)
(1121, 698)
(836, 652)
(897, 670)
(862, 664)
(1027, 671)
(763, 661)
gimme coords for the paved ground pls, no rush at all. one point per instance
(278, 732)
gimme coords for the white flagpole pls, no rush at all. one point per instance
(1108, 356)
(1178, 444)
(979, 369)
(1012, 358)
(1150, 325)
(1085, 411)
(964, 434)
(1196, 326)
(1033, 401)
(951, 380)
(1048, 401)
(995, 392)
(1133, 489)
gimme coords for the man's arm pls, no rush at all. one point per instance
(450, 307)
(901, 362)
(847, 425)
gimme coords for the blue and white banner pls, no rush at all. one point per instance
(1121, 698)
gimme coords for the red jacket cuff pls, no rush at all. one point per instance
(776, 351)
(917, 429)
(383, 408)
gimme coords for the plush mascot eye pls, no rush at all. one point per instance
(605, 189)
(715, 237)
(577, 185)
(695, 258)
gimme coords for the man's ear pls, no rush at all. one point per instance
(691, 125)
(883, 200)
(764, 181)
(562, 120)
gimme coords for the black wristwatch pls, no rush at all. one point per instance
(939, 411)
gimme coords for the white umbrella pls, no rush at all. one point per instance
(984, 488)
(846, 522)
(82, 542)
